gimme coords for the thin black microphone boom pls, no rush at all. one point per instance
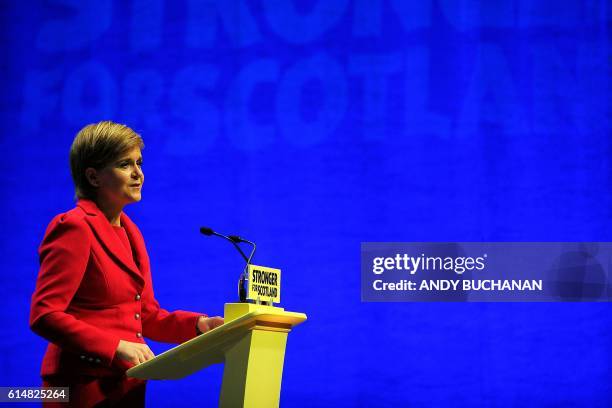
(208, 231)
(244, 279)
(235, 240)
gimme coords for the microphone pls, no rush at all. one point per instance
(208, 232)
(235, 240)
(244, 279)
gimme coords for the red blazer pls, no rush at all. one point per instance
(91, 293)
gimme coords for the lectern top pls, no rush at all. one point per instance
(209, 348)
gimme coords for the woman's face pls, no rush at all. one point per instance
(121, 181)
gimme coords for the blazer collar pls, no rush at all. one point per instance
(108, 237)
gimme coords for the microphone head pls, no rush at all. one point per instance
(206, 231)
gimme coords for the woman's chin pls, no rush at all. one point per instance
(134, 198)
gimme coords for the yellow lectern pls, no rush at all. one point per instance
(251, 343)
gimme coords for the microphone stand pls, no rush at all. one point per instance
(235, 240)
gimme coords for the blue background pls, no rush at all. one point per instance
(309, 127)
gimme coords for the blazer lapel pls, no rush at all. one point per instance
(138, 247)
(108, 238)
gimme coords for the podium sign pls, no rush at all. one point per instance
(264, 284)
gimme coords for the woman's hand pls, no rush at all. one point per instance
(208, 323)
(134, 353)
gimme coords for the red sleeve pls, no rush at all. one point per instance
(64, 254)
(160, 325)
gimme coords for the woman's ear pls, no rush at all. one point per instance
(92, 176)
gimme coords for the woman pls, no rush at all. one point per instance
(94, 298)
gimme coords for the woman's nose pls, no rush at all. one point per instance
(137, 173)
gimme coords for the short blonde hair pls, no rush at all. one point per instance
(97, 145)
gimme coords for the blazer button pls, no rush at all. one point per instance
(137, 297)
(90, 359)
(139, 334)
(137, 316)
(98, 360)
(82, 357)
